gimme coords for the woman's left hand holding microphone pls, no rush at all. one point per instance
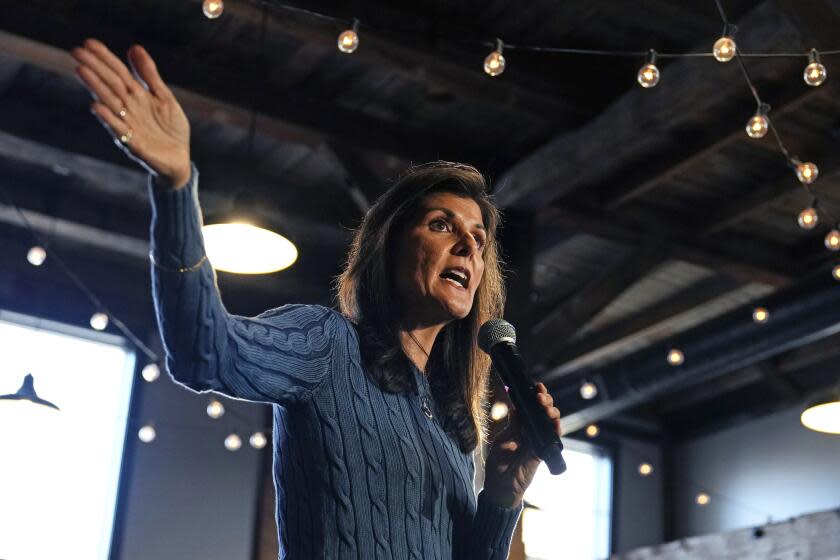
(511, 463)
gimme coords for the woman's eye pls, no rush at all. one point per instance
(479, 241)
(439, 225)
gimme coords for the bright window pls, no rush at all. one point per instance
(573, 515)
(59, 470)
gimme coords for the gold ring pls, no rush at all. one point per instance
(126, 138)
(122, 113)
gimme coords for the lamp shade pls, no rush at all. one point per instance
(823, 415)
(27, 393)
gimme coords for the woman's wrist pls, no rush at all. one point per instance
(501, 499)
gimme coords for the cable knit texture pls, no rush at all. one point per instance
(359, 472)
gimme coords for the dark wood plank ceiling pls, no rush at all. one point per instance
(634, 214)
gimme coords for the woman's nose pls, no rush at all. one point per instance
(466, 245)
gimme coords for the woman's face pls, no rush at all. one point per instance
(440, 260)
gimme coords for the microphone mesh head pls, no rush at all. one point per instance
(495, 331)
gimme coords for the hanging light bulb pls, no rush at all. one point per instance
(494, 64)
(212, 8)
(233, 442)
(832, 239)
(588, 390)
(808, 218)
(27, 393)
(806, 172)
(676, 357)
(836, 272)
(648, 75)
(815, 73)
(215, 409)
(36, 255)
(257, 440)
(151, 372)
(645, 469)
(348, 40)
(760, 315)
(147, 433)
(724, 49)
(702, 499)
(757, 126)
(499, 410)
(99, 321)
(823, 415)
(592, 430)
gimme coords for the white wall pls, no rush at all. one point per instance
(770, 467)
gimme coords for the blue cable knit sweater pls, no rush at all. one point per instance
(359, 472)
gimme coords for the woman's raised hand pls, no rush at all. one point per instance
(138, 109)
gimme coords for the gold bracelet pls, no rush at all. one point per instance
(192, 268)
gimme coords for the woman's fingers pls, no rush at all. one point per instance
(146, 69)
(118, 128)
(100, 90)
(114, 64)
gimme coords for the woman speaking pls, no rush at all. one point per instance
(378, 407)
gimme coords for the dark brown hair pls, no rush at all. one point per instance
(367, 295)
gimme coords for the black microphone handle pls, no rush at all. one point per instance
(537, 427)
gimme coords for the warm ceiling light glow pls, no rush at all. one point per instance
(215, 409)
(151, 372)
(823, 417)
(588, 390)
(592, 430)
(836, 272)
(233, 442)
(36, 255)
(648, 75)
(645, 469)
(494, 64)
(724, 49)
(807, 172)
(147, 434)
(246, 249)
(702, 499)
(832, 240)
(348, 40)
(676, 357)
(760, 315)
(815, 73)
(499, 410)
(808, 218)
(99, 321)
(212, 8)
(757, 126)
(257, 440)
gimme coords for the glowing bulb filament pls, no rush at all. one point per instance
(494, 64)
(724, 49)
(815, 73)
(348, 41)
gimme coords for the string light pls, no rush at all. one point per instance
(147, 433)
(36, 255)
(836, 272)
(494, 64)
(499, 410)
(832, 239)
(648, 75)
(702, 499)
(348, 40)
(99, 321)
(215, 409)
(592, 430)
(724, 49)
(676, 357)
(233, 442)
(815, 73)
(151, 372)
(212, 8)
(757, 126)
(588, 390)
(645, 469)
(257, 440)
(760, 315)
(808, 218)
(806, 172)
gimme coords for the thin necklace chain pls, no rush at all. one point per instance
(420, 346)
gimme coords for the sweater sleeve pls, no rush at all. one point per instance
(280, 356)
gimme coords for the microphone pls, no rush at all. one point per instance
(497, 338)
